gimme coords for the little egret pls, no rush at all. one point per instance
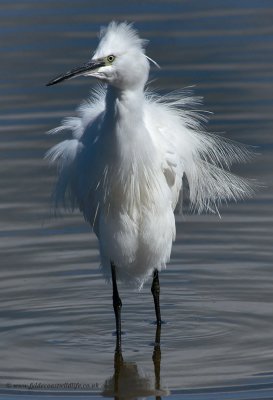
(124, 164)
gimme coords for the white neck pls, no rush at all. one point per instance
(124, 119)
(129, 101)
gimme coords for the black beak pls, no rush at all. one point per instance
(81, 70)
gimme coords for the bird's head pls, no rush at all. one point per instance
(119, 59)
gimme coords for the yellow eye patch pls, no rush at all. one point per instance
(109, 59)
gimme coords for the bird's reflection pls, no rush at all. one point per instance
(128, 382)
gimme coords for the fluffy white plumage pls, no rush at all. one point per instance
(130, 149)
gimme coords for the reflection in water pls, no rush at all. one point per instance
(129, 382)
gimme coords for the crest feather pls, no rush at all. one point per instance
(118, 38)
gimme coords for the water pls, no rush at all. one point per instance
(56, 315)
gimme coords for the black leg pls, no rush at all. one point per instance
(117, 304)
(157, 359)
(155, 289)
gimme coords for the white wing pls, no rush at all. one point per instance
(183, 146)
(75, 158)
(188, 150)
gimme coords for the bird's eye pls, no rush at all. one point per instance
(110, 58)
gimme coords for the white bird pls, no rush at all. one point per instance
(124, 164)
